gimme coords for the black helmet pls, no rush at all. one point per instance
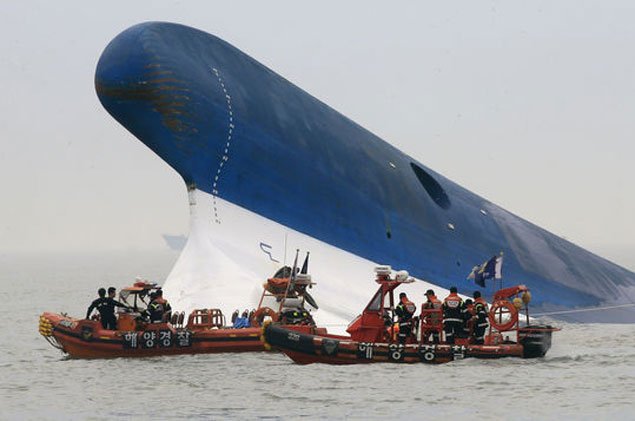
(477, 294)
(402, 294)
(453, 289)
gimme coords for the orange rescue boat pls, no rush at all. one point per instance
(373, 334)
(204, 331)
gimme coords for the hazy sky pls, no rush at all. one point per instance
(529, 104)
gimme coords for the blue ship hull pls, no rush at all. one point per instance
(235, 129)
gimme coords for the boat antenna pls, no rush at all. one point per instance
(498, 271)
(305, 265)
(293, 272)
(285, 249)
(295, 264)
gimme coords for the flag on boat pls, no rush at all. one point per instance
(491, 269)
(305, 266)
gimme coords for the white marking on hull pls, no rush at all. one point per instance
(229, 138)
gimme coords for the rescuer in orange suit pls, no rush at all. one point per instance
(432, 303)
(480, 319)
(453, 312)
(404, 311)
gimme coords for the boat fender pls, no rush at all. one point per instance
(260, 315)
(263, 338)
(526, 297)
(46, 327)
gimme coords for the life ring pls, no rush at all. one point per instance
(500, 308)
(260, 314)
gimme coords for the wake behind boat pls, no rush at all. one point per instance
(374, 335)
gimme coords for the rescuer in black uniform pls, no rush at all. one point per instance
(154, 310)
(159, 308)
(480, 320)
(167, 308)
(100, 305)
(404, 311)
(468, 314)
(108, 315)
(453, 312)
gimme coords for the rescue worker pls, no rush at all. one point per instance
(155, 309)
(404, 311)
(109, 309)
(167, 309)
(452, 316)
(159, 308)
(468, 314)
(99, 304)
(480, 319)
(432, 302)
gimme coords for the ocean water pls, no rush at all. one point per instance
(588, 374)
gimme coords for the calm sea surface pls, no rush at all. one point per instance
(588, 374)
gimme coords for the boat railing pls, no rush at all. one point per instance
(206, 319)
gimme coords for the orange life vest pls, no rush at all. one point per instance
(452, 306)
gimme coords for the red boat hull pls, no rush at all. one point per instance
(87, 339)
(305, 348)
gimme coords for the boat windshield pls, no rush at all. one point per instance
(375, 303)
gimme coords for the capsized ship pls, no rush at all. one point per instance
(270, 168)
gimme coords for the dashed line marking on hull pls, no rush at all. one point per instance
(225, 157)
